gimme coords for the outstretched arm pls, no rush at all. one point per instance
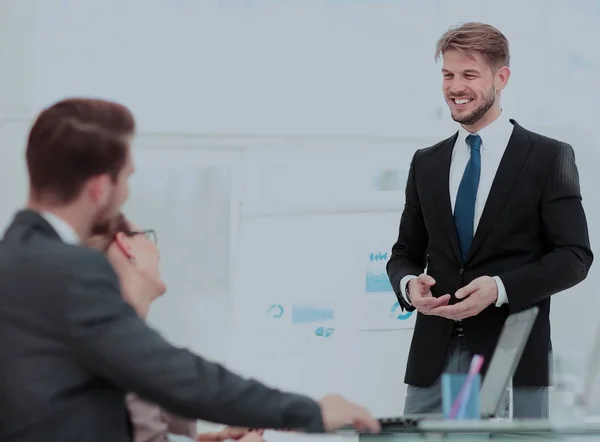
(110, 338)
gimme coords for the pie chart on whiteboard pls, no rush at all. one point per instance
(275, 311)
(398, 313)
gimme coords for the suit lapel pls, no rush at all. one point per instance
(442, 190)
(504, 181)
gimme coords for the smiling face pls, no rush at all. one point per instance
(472, 88)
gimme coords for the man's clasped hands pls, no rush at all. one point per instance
(473, 298)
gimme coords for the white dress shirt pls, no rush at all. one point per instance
(62, 228)
(494, 139)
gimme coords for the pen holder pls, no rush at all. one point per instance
(452, 383)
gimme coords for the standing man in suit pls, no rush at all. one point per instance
(70, 346)
(494, 215)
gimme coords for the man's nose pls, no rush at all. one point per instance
(457, 87)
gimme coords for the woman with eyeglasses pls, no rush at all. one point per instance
(126, 245)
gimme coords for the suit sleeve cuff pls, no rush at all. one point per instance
(403, 283)
(502, 297)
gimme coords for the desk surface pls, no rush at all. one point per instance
(507, 426)
(492, 429)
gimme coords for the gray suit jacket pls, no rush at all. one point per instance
(71, 347)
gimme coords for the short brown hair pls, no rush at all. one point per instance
(73, 141)
(476, 37)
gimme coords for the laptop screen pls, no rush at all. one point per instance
(505, 359)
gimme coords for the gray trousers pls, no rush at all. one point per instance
(527, 402)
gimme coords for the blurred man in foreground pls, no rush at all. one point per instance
(70, 346)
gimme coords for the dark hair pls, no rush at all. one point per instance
(112, 227)
(476, 37)
(74, 140)
(102, 235)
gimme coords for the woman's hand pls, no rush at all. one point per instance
(231, 433)
(253, 436)
(138, 287)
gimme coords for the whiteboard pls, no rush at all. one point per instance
(365, 89)
(191, 198)
(315, 260)
(322, 176)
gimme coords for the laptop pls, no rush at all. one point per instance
(587, 390)
(502, 366)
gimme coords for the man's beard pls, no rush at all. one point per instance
(478, 113)
(103, 227)
(104, 222)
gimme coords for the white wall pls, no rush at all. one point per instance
(310, 67)
(17, 73)
(232, 73)
(13, 179)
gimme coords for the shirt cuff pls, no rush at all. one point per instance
(403, 283)
(502, 297)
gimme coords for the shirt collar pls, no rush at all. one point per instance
(62, 228)
(500, 128)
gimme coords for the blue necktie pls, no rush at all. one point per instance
(464, 208)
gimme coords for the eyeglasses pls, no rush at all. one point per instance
(148, 233)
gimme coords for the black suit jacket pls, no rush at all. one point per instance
(70, 348)
(532, 234)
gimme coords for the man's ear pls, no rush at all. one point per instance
(99, 188)
(502, 77)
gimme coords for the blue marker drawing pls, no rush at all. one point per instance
(324, 332)
(374, 257)
(401, 315)
(377, 283)
(377, 280)
(275, 311)
(307, 314)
